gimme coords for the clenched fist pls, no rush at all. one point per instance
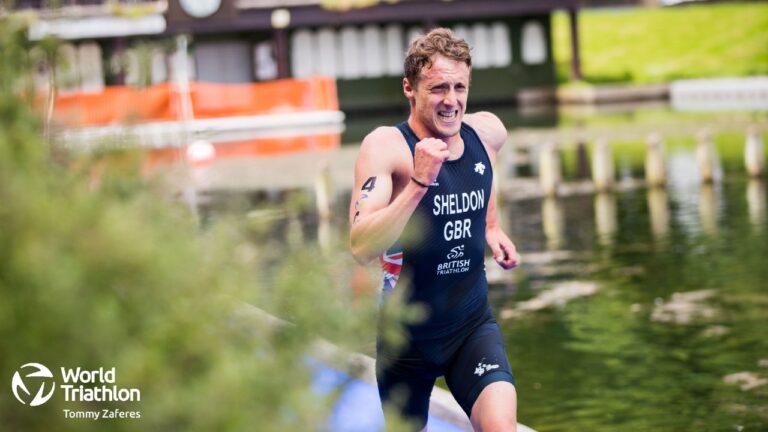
(428, 158)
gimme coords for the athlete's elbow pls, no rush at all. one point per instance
(362, 257)
(361, 254)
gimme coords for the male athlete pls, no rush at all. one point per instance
(423, 202)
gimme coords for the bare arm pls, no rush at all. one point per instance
(377, 217)
(493, 134)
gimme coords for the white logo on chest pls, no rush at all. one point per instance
(456, 252)
(480, 168)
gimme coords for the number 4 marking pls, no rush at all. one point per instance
(369, 184)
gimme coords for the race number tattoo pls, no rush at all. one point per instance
(358, 205)
(369, 184)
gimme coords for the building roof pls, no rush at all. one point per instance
(257, 14)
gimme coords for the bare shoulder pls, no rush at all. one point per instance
(385, 146)
(489, 127)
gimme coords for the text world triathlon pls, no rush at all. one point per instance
(74, 390)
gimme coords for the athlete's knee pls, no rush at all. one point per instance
(495, 421)
(495, 409)
(496, 425)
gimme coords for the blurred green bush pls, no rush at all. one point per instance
(113, 274)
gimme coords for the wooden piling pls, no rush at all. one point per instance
(754, 153)
(553, 221)
(655, 171)
(324, 193)
(549, 169)
(325, 235)
(706, 157)
(606, 220)
(500, 172)
(708, 208)
(602, 166)
(756, 202)
(659, 212)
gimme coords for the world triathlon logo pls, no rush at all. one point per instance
(37, 377)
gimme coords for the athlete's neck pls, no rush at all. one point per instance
(455, 142)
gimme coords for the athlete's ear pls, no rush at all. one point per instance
(408, 89)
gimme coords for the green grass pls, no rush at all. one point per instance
(647, 45)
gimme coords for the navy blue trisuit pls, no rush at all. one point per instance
(439, 261)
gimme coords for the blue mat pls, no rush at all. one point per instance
(357, 408)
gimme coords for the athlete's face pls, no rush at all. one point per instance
(439, 98)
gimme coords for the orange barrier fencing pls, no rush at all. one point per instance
(162, 102)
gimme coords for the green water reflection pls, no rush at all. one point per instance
(629, 357)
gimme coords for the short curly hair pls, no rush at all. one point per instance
(438, 41)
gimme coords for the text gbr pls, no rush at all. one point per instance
(451, 204)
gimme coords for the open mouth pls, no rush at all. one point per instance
(448, 115)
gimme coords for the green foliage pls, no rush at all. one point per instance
(645, 45)
(98, 269)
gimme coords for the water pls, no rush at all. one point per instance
(634, 355)
(633, 311)
(657, 315)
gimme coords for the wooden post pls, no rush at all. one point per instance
(325, 235)
(655, 171)
(606, 220)
(659, 211)
(756, 201)
(575, 55)
(324, 194)
(754, 153)
(706, 156)
(553, 222)
(509, 163)
(708, 208)
(498, 173)
(602, 166)
(549, 169)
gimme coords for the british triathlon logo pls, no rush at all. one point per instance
(37, 377)
(456, 252)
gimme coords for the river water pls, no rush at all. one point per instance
(649, 331)
(638, 310)
(644, 309)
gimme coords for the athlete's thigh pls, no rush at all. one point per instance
(405, 384)
(479, 361)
